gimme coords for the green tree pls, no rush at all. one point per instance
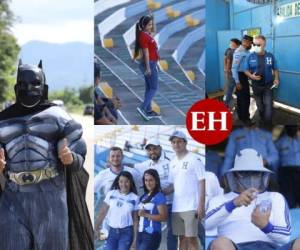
(69, 96)
(86, 94)
(8, 52)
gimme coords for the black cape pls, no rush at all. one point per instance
(80, 227)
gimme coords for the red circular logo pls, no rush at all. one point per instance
(209, 121)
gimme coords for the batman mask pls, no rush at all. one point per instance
(31, 88)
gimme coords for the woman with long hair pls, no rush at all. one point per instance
(120, 206)
(146, 46)
(152, 211)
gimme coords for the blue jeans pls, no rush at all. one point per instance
(151, 85)
(171, 239)
(146, 241)
(263, 96)
(230, 87)
(119, 238)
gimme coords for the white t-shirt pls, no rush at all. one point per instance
(105, 178)
(237, 226)
(212, 189)
(121, 207)
(185, 175)
(162, 166)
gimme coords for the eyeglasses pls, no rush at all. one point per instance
(258, 45)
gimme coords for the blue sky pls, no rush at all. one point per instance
(55, 21)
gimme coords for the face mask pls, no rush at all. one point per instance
(252, 50)
(243, 180)
(257, 49)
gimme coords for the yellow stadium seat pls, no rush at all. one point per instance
(191, 75)
(188, 18)
(152, 5)
(169, 10)
(190, 21)
(164, 64)
(108, 43)
(155, 107)
(196, 22)
(106, 89)
(176, 13)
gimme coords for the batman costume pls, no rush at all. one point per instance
(42, 206)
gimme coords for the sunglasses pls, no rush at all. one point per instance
(258, 45)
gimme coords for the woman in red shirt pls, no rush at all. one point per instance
(146, 44)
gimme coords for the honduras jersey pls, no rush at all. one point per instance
(162, 166)
(146, 225)
(235, 222)
(121, 207)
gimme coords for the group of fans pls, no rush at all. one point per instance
(139, 197)
(246, 199)
(248, 61)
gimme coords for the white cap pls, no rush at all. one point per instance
(178, 134)
(153, 141)
(249, 160)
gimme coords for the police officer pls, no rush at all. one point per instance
(261, 68)
(251, 137)
(241, 80)
(288, 146)
(228, 57)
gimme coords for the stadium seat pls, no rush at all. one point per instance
(190, 21)
(172, 13)
(152, 5)
(191, 75)
(164, 64)
(106, 89)
(155, 107)
(108, 43)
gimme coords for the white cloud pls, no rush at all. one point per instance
(53, 20)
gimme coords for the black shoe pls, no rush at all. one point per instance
(143, 113)
(153, 114)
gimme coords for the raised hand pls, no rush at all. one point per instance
(246, 197)
(65, 154)
(2, 160)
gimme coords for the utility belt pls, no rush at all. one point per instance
(32, 177)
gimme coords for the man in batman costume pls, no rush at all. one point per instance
(42, 205)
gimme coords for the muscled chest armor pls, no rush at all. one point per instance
(30, 142)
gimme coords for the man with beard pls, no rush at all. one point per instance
(160, 162)
(288, 146)
(105, 178)
(41, 157)
(241, 80)
(249, 217)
